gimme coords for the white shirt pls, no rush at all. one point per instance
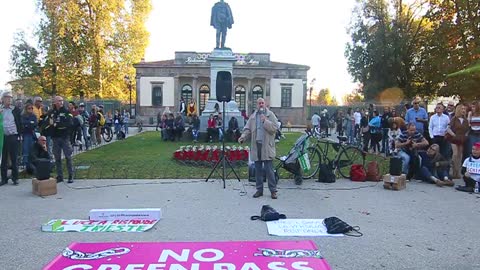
(358, 118)
(438, 125)
(315, 120)
(473, 167)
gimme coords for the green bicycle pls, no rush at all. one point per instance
(339, 156)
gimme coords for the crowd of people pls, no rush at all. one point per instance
(434, 147)
(174, 125)
(35, 133)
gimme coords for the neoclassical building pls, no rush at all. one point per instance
(161, 84)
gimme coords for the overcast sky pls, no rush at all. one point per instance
(303, 32)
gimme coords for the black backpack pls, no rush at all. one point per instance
(325, 174)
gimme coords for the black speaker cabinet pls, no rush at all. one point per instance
(224, 86)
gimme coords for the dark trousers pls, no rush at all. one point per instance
(385, 146)
(10, 151)
(445, 147)
(469, 182)
(62, 144)
(426, 174)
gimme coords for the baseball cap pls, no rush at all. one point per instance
(477, 145)
(7, 94)
(81, 104)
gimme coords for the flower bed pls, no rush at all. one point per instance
(207, 155)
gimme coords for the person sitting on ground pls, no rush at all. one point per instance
(179, 126)
(434, 167)
(233, 129)
(195, 127)
(38, 152)
(211, 128)
(409, 142)
(471, 170)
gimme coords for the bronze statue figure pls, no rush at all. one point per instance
(221, 19)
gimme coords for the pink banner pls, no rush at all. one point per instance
(249, 255)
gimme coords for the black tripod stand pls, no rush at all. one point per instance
(223, 158)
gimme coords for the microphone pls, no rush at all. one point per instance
(261, 110)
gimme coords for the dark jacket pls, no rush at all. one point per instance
(62, 122)
(29, 123)
(37, 152)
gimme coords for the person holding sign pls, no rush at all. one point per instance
(471, 170)
(261, 127)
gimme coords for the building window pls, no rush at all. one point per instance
(257, 92)
(157, 95)
(286, 96)
(204, 95)
(187, 93)
(240, 96)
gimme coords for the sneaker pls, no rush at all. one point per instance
(70, 179)
(464, 189)
(274, 195)
(258, 194)
(59, 179)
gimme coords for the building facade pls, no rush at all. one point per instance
(162, 84)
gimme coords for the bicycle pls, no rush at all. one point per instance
(345, 155)
(107, 132)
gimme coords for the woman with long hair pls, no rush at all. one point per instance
(29, 124)
(474, 133)
(457, 135)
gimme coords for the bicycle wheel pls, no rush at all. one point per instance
(314, 156)
(107, 135)
(348, 157)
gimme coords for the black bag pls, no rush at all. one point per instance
(251, 173)
(268, 214)
(42, 169)
(395, 166)
(325, 174)
(335, 225)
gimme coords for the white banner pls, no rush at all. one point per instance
(298, 227)
(79, 225)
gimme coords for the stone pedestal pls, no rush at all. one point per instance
(220, 60)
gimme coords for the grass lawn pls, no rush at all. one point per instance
(146, 156)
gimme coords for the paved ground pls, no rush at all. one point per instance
(422, 227)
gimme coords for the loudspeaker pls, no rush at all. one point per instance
(224, 86)
(395, 166)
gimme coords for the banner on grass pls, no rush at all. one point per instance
(78, 225)
(263, 255)
(298, 227)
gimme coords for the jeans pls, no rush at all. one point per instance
(266, 165)
(86, 137)
(26, 146)
(405, 161)
(426, 174)
(195, 134)
(62, 144)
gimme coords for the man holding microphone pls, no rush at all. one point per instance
(261, 128)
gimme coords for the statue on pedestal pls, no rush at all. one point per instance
(221, 19)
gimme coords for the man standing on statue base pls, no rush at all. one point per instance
(221, 19)
(261, 127)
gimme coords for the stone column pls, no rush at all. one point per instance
(267, 91)
(248, 95)
(176, 93)
(195, 92)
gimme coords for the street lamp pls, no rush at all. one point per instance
(311, 90)
(129, 84)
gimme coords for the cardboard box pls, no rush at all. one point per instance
(44, 187)
(125, 214)
(394, 182)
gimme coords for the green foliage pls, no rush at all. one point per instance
(413, 47)
(87, 47)
(147, 156)
(325, 97)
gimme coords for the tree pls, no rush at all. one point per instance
(353, 98)
(325, 98)
(24, 63)
(87, 46)
(386, 40)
